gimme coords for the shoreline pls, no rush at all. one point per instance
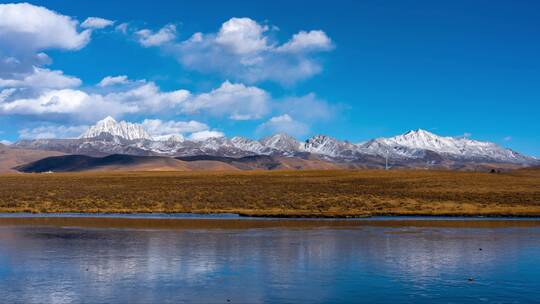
(126, 222)
(268, 215)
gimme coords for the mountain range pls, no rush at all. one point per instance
(416, 148)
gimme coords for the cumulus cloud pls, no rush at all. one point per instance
(283, 123)
(148, 98)
(242, 36)
(237, 101)
(52, 101)
(42, 78)
(67, 103)
(203, 135)
(148, 38)
(242, 50)
(307, 42)
(96, 23)
(26, 31)
(52, 131)
(31, 27)
(5, 142)
(158, 127)
(113, 80)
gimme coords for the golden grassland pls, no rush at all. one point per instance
(329, 193)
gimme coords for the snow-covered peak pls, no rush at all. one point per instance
(421, 139)
(215, 143)
(281, 142)
(412, 142)
(108, 120)
(247, 144)
(241, 140)
(325, 145)
(123, 129)
(318, 140)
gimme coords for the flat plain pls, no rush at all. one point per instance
(306, 193)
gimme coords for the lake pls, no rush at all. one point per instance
(51, 263)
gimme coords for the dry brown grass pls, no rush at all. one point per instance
(284, 193)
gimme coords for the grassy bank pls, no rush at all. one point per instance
(278, 193)
(216, 223)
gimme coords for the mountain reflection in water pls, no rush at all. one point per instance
(275, 265)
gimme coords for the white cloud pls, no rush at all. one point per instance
(6, 93)
(148, 98)
(308, 42)
(242, 50)
(283, 123)
(25, 31)
(52, 131)
(29, 27)
(43, 59)
(96, 23)
(42, 78)
(237, 101)
(148, 38)
(5, 142)
(67, 102)
(203, 135)
(113, 80)
(158, 127)
(54, 99)
(242, 36)
(507, 138)
(122, 28)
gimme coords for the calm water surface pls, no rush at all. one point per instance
(276, 265)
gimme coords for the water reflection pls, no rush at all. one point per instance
(370, 264)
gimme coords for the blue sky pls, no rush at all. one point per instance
(350, 69)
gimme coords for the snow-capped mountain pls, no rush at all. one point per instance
(414, 147)
(325, 145)
(414, 143)
(282, 143)
(126, 130)
(250, 145)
